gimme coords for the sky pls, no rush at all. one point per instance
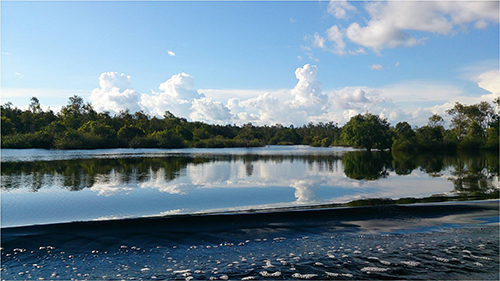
(264, 63)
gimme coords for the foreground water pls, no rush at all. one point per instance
(170, 214)
(442, 241)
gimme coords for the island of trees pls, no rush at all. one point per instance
(78, 126)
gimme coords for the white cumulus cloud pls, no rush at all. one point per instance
(393, 24)
(412, 101)
(357, 98)
(264, 109)
(179, 96)
(375, 67)
(170, 53)
(307, 93)
(305, 100)
(210, 111)
(176, 95)
(116, 93)
(490, 81)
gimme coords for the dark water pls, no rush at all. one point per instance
(432, 241)
(169, 215)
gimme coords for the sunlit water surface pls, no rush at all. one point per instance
(50, 186)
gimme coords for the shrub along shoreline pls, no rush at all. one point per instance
(79, 126)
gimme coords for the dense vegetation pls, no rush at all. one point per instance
(78, 126)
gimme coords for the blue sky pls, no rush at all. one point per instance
(259, 62)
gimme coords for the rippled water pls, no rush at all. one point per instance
(325, 249)
(450, 255)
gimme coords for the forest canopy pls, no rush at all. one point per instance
(78, 126)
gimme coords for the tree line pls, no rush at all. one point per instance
(78, 126)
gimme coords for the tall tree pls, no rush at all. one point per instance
(459, 122)
(367, 131)
(463, 116)
(435, 120)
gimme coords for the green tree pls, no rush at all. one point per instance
(77, 112)
(435, 120)
(367, 131)
(430, 138)
(201, 133)
(247, 133)
(35, 105)
(404, 137)
(168, 139)
(459, 122)
(7, 126)
(474, 138)
(99, 135)
(463, 116)
(129, 132)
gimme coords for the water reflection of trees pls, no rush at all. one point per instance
(472, 174)
(363, 165)
(476, 175)
(79, 174)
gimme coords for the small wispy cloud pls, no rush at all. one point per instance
(375, 67)
(397, 64)
(292, 20)
(20, 75)
(308, 52)
(170, 53)
(6, 53)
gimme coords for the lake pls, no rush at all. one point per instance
(187, 210)
(51, 186)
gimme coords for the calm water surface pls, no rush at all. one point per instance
(51, 186)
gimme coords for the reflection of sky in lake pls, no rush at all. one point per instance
(214, 184)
